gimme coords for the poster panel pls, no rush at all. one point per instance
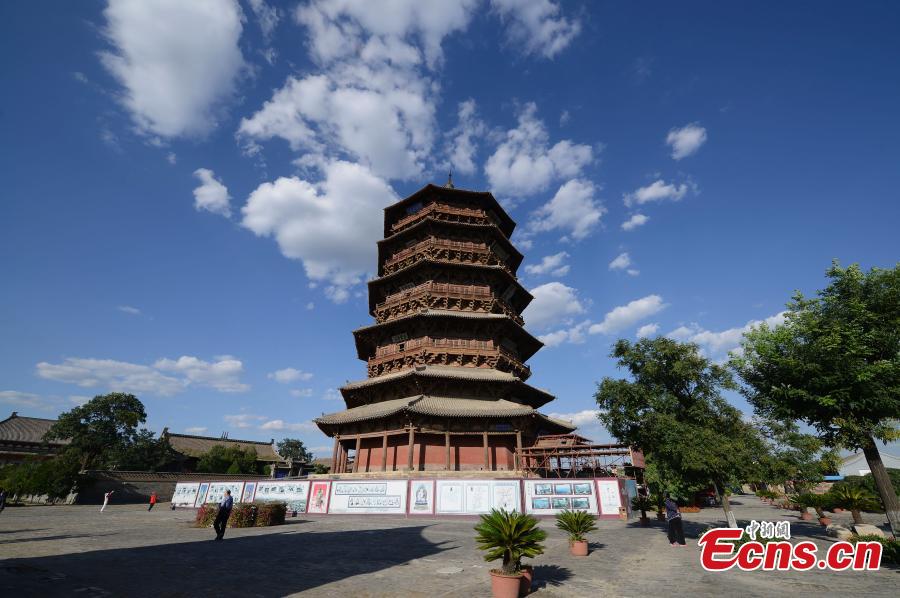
(421, 497)
(293, 493)
(478, 497)
(505, 495)
(549, 497)
(318, 497)
(249, 490)
(610, 498)
(201, 494)
(370, 496)
(185, 494)
(450, 497)
(217, 491)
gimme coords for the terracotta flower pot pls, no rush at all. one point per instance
(505, 586)
(826, 521)
(527, 578)
(578, 548)
(806, 516)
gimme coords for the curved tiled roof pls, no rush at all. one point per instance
(394, 211)
(429, 405)
(195, 446)
(27, 430)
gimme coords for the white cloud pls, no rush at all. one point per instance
(310, 306)
(79, 400)
(23, 399)
(373, 97)
(553, 302)
(195, 430)
(211, 195)
(172, 158)
(620, 262)
(564, 118)
(176, 61)
(463, 138)
(223, 374)
(331, 395)
(243, 420)
(524, 163)
(165, 377)
(301, 392)
(279, 425)
(288, 375)
(267, 17)
(573, 334)
(657, 191)
(331, 226)
(129, 310)
(635, 221)
(627, 315)
(572, 209)
(632, 272)
(551, 264)
(536, 26)
(686, 140)
(586, 417)
(718, 345)
(647, 330)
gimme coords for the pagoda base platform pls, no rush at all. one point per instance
(430, 474)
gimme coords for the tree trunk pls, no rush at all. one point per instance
(726, 506)
(857, 516)
(884, 486)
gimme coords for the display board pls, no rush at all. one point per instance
(249, 491)
(610, 497)
(549, 497)
(370, 496)
(217, 491)
(201, 494)
(185, 494)
(318, 497)
(293, 494)
(474, 497)
(421, 497)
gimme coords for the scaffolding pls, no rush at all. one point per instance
(573, 456)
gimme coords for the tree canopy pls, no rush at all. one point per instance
(231, 459)
(292, 448)
(835, 365)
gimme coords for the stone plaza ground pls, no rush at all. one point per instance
(127, 551)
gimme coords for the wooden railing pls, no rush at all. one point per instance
(436, 295)
(456, 213)
(463, 352)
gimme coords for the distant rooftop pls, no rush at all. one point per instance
(31, 430)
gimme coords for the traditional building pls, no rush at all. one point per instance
(188, 449)
(22, 439)
(446, 357)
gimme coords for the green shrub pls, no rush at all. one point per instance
(509, 536)
(206, 514)
(576, 523)
(270, 513)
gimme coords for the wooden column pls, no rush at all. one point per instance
(342, 459)
(334, 454)
(516, 459)
(447, 448)
(356, 456)
(487, 457)
(384, 453)
(409, 450)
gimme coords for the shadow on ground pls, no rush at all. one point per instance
(550, 575)
(271, 564)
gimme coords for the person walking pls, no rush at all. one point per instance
(152, 501)
(222, 516)
(106, 498)
(2, 499)
(673, 518)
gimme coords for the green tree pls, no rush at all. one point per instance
(835, 365)
(103, 425)
(55, 478)
(145, 452)
(292, 448)
(672, 408)
(231, 459)
(802, 460)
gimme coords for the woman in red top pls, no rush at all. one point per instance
(152, 501)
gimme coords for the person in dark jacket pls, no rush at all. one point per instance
(222, 516)
(673, 518)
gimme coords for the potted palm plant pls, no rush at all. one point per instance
(509, 537)
(855, 499)
(577, 524)
(818, 502)
(802, 502)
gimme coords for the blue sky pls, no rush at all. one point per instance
(192, 191)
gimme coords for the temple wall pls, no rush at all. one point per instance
(430, 453)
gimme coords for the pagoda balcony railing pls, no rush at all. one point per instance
(448, 213)
(436, 295)
(446, 352)
(445, 250)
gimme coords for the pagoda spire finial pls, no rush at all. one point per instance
(449, 184)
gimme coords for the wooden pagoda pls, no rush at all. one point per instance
(447, 353)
